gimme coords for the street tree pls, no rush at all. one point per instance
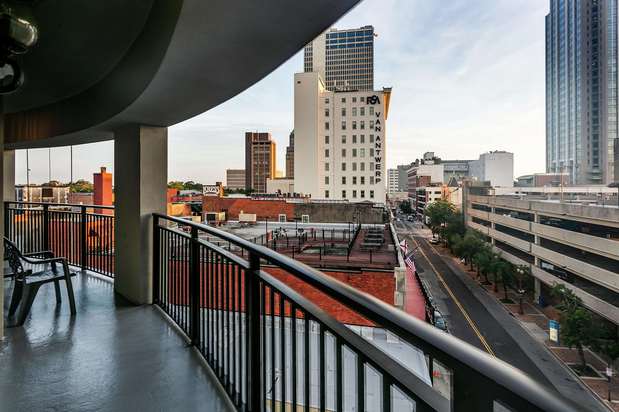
(438, 212)
(406, 208)
(577, 329)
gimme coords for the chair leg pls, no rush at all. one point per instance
(18, 291)
(30, 292)
(67, 278)
(57, 290)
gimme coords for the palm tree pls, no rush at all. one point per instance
(484, 262)
(495, 268)
(506, 274)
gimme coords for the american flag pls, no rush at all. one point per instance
(408, 257)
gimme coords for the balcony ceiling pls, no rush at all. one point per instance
(101, 65)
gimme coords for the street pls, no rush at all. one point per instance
(472, 318)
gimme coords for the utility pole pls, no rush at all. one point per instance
(71, 183)
(27, 175)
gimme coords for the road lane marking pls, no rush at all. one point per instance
(457, 302)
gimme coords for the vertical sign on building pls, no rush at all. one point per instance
(378, 141)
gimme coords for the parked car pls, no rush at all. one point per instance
(434, 241)
(440, 322)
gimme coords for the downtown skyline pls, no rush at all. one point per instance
(460, 88)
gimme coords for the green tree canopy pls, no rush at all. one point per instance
(82, 186)
(438, 213)
(406, 208)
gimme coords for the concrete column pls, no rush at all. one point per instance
(537, 287)
(9, 175)
(141, 172)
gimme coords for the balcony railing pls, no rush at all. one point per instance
(272, 348)
(84, 234)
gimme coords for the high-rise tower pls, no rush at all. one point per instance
(581, 89)
(343, 58)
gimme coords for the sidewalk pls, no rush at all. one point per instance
(530, 331)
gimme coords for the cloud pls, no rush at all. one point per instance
(467, 77)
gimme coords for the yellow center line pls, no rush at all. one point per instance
(453, 297)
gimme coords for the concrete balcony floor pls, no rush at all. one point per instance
(111, 357)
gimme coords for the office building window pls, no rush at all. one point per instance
(354, 180)
(362, 166)
(354, 166)
(371, 194)
(354, 152)
(371, 166)
(343, 125)
(371, 152)
(343, 152)
(354, 194)
(362, 125)
(326, 194)
(343, 167)
(371, 111)
(354, 138)
(371, 124)
(361, 152)
(362, 99)
(343, 111)
(354, 111)
(327, 167)
(326, 139)
(354, 100)
(326, 152)
(343, 180)
(326, 180)
(327, 100)
(326, 125)
(343, 100)
(362, 137)
(371, 138)
(327, 112)
(344, 139)
(371, 180)
(362, 111)
(363, 194)
(344, 194)
(362, 180)
(354, 125)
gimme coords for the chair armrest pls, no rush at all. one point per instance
(43, 261)
(42, 253)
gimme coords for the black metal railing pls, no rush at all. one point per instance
(272, 348)
(84, 234)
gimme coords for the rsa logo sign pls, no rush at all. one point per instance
(210, 190)
(372, 99)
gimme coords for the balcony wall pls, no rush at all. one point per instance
(595, 304)
(593, 273)
(594, 244)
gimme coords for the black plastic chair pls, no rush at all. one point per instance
(42, 269)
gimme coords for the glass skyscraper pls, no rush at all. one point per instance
(344, 58)
(581, 89)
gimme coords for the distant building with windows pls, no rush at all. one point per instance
(340, 141)
(581, 90)
(392, 180)
(290, 156)
(235, 179)
(260, 153)
(343, 58)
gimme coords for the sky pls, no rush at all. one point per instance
(467, 77)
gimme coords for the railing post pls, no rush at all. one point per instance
(7, 229)
(156, 258)
(83, 243)
(46, 227)
(194, 286)
(252, 312)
